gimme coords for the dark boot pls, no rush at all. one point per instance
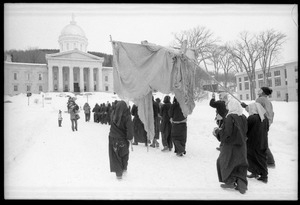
(228, 185)
(263, 179)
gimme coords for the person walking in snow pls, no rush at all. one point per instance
(120, 136)
(257, 143)
(73, 114)
(263, 94)
(221, 110)
(232, 162)
(87, 111)
(166, 126)
(95, 110)
(179, 128)
(60, 118)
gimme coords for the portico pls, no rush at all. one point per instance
(74, 71)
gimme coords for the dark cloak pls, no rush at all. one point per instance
(121, 131)
(257, 145)
(232, 162)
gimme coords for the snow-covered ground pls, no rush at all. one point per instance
(44, 161)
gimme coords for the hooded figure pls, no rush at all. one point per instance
(140, 135)
(262, 99)
(179, 128)
(87, 111)
(166, 126)
(257, 143)
(121, 131)
(232, 162)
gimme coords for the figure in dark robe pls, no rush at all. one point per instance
(139, 133)
(165, 125)
(232, 162)
(179, 128)
(263, 94)
(95, 110)
(120, 135)
(257, 143)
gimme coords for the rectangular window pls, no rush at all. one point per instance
(40, 76)
(269, 82)
(259, 76)
(28, 88)
(269, 74)
(278, 94)
(296, 80)
(15, 88)
(246, 78)
(246, 85)
(277, 81)
(277, 73)
(260, 83)
(240, 86)
(241, 97)
(15, 76)
(106, 78)
(247, 96)
(106, 88)
(40, 88)
(240, 79)
(296, 68)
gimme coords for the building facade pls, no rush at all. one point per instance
(283, 79)
(70, 70)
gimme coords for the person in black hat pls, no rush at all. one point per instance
(263, 94)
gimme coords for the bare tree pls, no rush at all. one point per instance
(215, 58)
(270, 43)
(247, 52)
(201, 40)
(226, 61)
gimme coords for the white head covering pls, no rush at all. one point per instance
(234, 107)
(256, 108)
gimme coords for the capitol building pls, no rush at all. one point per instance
(70, 70)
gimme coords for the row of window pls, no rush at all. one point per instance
(28, 76)
(278, 96)
(74, 46)
(75, 77)
(28, 88)
(276, 73)
(277, 82)
(40, 76)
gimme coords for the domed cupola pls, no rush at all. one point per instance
(72, 37)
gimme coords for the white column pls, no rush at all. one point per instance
(81, 80)
(50, 78)
(91, 89)
(71, 80)
(100, 83)
(60, 79)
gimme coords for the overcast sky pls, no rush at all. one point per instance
(30, 25)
